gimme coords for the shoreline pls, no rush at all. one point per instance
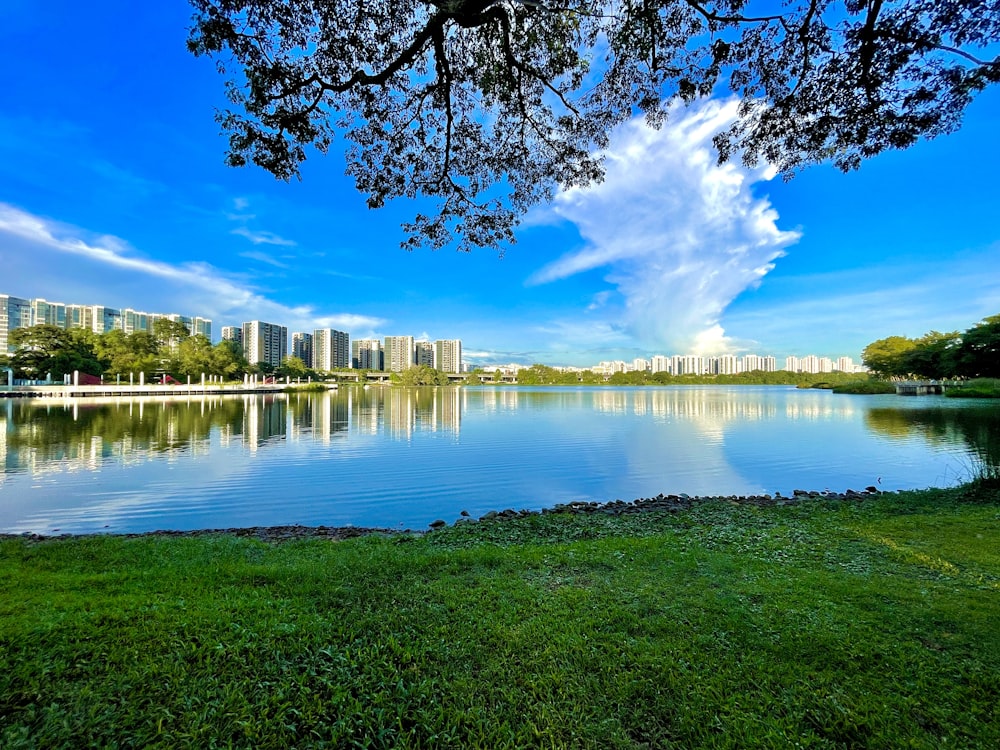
(293, 532)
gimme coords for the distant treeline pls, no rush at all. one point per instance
(972, 354)
(544, 375)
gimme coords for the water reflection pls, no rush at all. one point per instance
(42, 435)
(388, 456)
(978, 427)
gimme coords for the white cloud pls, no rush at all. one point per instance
(679, 236)
(39, 253)
(264, 258)
(261, 237)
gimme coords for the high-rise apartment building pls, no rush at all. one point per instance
(845, 364)
(423, 353)
(398, 353)
(201, 327)
(48, 313)
(233, 333)
(660, 363)
(448, 355)
(331, 349)
(302, 347)
(14, 313)
(728, 364)
(264, 342)
(367, 354)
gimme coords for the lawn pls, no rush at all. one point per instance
(823, 624)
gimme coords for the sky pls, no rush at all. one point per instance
(113, 191)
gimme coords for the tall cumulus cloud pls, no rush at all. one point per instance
(680, 237)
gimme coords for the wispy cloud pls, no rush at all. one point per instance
(264, 258)
(679, 236)
(89, 269)
(260, 237)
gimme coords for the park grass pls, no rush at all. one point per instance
(976, 388)
(818, 624)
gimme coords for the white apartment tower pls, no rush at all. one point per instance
(448, 355)
(264, 342)
(233, 333)
(399, 353)
(331, 349)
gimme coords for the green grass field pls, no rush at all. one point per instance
(869, 624)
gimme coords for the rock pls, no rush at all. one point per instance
(464, 514)
(438, 524)
(872, 489)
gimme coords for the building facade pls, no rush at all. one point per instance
(398, 353)
(423, 353)
(302, 347)
(331, 349)
(367, 354)
(448, 355)
(264, 342)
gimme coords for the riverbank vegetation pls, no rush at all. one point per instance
(539, 374)
(866, 387)
(870, 623)
(977, 388)
(938, 356)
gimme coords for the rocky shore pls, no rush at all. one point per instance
(660, 502)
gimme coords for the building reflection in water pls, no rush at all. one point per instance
(39, 436)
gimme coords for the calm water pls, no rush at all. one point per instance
(395, 457)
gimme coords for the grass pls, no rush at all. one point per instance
(828, 625)
(976, 388)
(307, 388)
(865, 387)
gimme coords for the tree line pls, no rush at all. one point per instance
(972, 354)
(167, 349)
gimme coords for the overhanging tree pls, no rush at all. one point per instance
(490, 106)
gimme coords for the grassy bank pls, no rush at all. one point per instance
(978, 388)
(868, 387)
(831, 624)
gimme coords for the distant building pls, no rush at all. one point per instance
(660, 363)
(302, 347)
(728, 364)
(264, 342)
(202, 327)
(331, 349)
(233, 333)
(423, 353)
(366, 354)
(15, 312)
(398, 353)
(448, 355)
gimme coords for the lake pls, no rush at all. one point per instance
(403, 457)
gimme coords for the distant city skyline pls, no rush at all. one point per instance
(329, 349)
(116, 190)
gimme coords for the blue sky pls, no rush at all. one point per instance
(113, 191)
